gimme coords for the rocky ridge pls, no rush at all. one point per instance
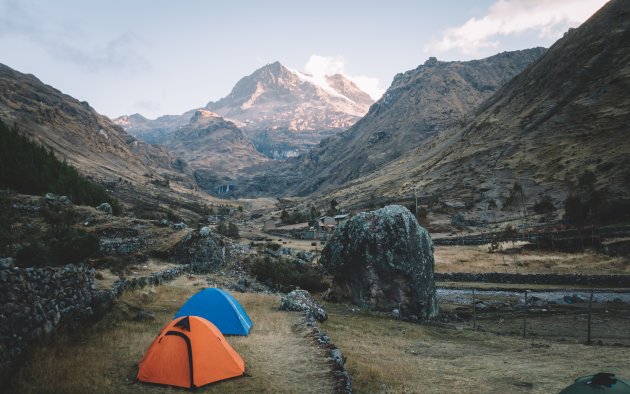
(564, 114)
(418, 105)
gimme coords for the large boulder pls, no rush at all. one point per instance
(383, 260)
(204, 252)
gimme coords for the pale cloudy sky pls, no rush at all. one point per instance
(160, 57)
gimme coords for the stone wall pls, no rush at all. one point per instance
(34, 302)
(542, 279)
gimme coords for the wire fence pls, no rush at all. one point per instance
(578, 316)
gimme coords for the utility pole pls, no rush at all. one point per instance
(416, 198)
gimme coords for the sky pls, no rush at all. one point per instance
(158, 57)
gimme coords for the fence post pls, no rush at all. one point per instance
(474, 307)
(525, 315)
(590, 312)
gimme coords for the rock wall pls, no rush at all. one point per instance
(34, 302)
(542, 279)
(203, 252)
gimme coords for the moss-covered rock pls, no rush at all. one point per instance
(383, 260)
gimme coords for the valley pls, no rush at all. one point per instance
(466, 231)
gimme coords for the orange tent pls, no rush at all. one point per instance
(190, 352)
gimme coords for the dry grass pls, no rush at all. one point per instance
(104, 358)
(386, 355)
(478, 259)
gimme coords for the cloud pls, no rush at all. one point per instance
(118, 53)
(548, 18)
(320, 66)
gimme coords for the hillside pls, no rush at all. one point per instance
(418, 105)
(134, 171)
(565, 114)
(216, 150)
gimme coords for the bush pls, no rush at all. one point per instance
(35, 254)
(544, 205)
(285, 274)
(68, 246)
(273, 246)
(75, 246)
(228, 230)
(7, 234)
(575, 211)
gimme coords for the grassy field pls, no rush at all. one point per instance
(103, 359)
(387, 355)
(383, 354)
(478, 259)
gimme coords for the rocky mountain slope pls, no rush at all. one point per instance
(153, 131)
(135, 171)
(216, 150)
(417, 106)
(564, 114)
(285, 112)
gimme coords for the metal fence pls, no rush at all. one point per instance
(571, 315)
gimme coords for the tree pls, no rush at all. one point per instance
(232, 231)
(509, 233)
(284, 216)
(586, 181)
(544, 205)
(575, 211)
(6, 222)
(222, 228)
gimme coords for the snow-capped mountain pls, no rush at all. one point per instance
(287, 111)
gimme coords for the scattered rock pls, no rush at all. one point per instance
(180, 226)
(51, 197)
(204, 254)
(7, 263)
(144, 315)
(105, 207)
(383, 260)
(301, 301)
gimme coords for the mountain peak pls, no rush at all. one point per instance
(276, 97)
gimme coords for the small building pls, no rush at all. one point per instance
(270, 224)
(340, 218)
(327, 221)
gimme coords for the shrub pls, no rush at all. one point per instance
(66, 247)
(285, 274)
(75, 246)
(273, 246)
(228, 230)
(35, 254)
(544, 205)
(575, 211)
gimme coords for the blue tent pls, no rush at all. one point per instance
(220, 308)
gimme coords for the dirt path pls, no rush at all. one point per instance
(103, 359)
